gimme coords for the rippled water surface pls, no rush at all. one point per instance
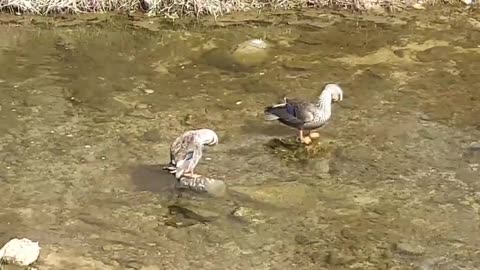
(88, 110)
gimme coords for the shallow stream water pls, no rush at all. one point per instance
(88, 108)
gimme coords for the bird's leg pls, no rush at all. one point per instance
(305, 140)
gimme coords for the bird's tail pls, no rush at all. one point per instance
(180, 168)
(269, 111)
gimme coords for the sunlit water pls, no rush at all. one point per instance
(87, 115)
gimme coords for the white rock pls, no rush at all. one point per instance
(418, 6)
(20, 251)
(148, 91)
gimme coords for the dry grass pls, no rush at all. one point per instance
(179, 8)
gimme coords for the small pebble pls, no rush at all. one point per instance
(207, 158)
(103, 157)
(410, 248)
(238, 102)
(88, 146)
(69, 135)
(418, 6)
(475, 146)
(141, 106)
(424, 117)
(113, 247)
(148, 91)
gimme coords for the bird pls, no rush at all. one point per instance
(306, 116)
(187, 149)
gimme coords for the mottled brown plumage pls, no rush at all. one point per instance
(186, 151)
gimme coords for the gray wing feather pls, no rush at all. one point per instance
(301, 110)
(304, 111)
(189, 162)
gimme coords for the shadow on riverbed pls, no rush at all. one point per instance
(153, 178)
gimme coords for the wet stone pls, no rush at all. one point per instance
(177, 235)
(113, 247)
(89, 157)
(310, 39)
(141, 106)
(134, 265)
(160, 68)
(291, 151)
(400, 53)
(472, 153)
(152, 135)
(302, 239)
(248, 214)
(251, 53)
(335, 257)
(282, 195)
(294, 65)
(322, 166)
(438, 53)
(424, 117)
(410, 248)
(187, 120)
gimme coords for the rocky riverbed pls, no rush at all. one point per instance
(89, 108)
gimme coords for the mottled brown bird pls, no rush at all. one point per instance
(186, 151)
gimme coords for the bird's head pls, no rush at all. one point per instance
(208, 136)
(334, 91)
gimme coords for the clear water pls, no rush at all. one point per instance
(88, 112)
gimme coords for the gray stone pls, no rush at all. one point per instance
(410, 248)
(251, 53)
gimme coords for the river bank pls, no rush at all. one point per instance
(90, 104)
(193, 8)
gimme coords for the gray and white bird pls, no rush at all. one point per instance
(186, 151)
(306, 116)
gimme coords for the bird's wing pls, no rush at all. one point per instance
(189, 160)
(293, 111)
(187, 153)
(301, 110)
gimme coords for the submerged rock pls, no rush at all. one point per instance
(288, 195)
(290, 150)
(248, 214)
(410, 248)
(205, 184)
(245, 55)
(184, 217)
(251, 52)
